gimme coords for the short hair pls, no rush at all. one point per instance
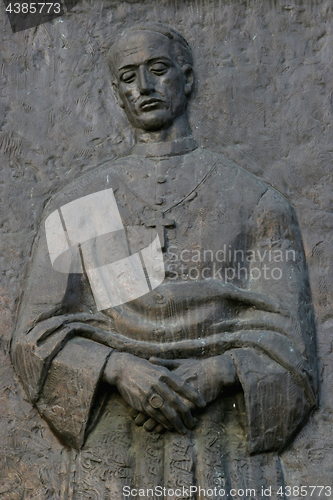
(182, 48)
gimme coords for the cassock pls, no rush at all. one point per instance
(235, 281)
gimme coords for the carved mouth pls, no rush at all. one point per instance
(150, 104)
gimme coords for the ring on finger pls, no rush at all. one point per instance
(156, 401)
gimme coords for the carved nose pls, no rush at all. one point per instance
(145, 84)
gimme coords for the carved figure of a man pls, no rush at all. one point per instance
(203, 379)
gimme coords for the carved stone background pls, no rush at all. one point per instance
(263, 96)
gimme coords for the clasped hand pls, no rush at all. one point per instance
(181, 386)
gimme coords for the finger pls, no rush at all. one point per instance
(171, 364)
(150, 424)
(180, 408)
(184, 389)
(134, 413)
(159, 417)
(169, 413)
(141, 419)
(173, 418)
(189, 378)
(165, 415)
(160, 428)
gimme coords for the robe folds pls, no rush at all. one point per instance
(235, 281)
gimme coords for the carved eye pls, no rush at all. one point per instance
(158, 68)
(128, 76)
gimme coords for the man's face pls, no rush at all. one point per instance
(151, 86)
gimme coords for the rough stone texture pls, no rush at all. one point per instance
(263, 97)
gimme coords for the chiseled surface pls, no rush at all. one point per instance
(263, 98)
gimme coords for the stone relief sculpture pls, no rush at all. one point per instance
(166, 333)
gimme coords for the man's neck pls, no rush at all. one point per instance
(179, 129)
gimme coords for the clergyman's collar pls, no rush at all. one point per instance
(171, 148)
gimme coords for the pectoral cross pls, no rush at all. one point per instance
(160, 223)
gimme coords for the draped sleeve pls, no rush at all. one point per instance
(60, 370)
(277, 363)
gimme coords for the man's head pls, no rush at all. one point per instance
(153, 78)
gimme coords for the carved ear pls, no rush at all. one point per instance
(189, 78)
(116, 93)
